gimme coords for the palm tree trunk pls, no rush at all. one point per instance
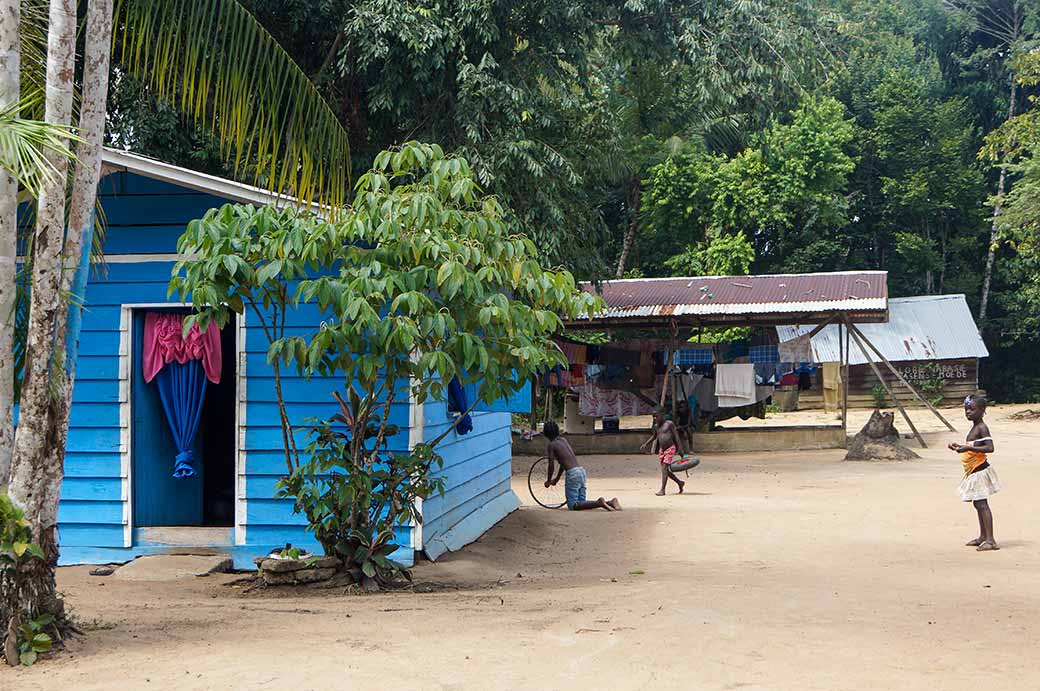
(76, 260)
(10, 65)
(633, 226)
(35, 478)
(991, 251)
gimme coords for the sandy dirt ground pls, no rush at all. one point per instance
(779, 571)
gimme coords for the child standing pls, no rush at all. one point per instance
(668, 445)
(980, 480)
(560, 451)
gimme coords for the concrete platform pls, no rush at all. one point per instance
(172, 567)
(734, 440)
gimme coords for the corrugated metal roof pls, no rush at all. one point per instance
(930, 327)
(861, 292)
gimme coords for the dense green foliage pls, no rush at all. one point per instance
(631, 137)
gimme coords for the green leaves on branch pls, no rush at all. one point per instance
(789, 180)
(419, 280)
(416, 283)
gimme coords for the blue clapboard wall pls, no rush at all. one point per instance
(145, 216)
(476, 471)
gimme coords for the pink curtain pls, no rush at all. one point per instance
(163, 343)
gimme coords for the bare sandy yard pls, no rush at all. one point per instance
(779, 571)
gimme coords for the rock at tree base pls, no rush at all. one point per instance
(293, 571)
(879, 441)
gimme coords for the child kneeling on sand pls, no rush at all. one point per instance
(560, 451)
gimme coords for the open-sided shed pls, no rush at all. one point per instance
(931, 340)
(680, 307)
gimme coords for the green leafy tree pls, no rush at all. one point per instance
(429, 284)
(559, 106)
(1015, 146)
(781, 192)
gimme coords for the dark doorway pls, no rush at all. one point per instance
(208, 498)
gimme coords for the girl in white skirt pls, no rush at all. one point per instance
(980, 480)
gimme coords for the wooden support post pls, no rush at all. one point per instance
(845, 377)
(902, 379)
(842, 356)
(877, 373)
(675, 388)
(667, 374)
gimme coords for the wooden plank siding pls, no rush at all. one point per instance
(960, 379)
(476, 472)
(145, 217)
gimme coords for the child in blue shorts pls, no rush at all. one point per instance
(560, 451)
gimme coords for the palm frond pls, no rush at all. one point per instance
(26, 144)
(224, 70)
(32, 34)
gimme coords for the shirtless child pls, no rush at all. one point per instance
(669, 447)
(560, 451)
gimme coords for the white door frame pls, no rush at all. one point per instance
(126, 361)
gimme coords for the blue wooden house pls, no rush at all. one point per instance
(119, 499)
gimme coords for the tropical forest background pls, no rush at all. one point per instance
(656, 137)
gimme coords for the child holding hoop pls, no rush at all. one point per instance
(560, 451)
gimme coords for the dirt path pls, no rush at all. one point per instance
(773, 572)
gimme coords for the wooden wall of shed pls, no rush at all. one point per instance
(960, 377)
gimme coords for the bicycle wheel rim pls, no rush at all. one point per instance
(542, 495)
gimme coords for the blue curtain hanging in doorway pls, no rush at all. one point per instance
(182, 388)
(181, 363)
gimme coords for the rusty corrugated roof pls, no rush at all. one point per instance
(729, 299)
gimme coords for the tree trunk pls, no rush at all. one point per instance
(10, 64)
(929, 279)
(35, 477)
(945, 251)
(633, 226)
(76, 257)
(987, 276)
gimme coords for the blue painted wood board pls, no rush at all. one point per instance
(473, 525)
(91, 489)
(75, 535)
(100, 512)
(101, 464)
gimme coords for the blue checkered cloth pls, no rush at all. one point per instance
(764, 354)
(689, 357)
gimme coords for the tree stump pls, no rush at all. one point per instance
(879, 441)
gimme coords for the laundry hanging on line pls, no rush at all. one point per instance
(735, 385)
